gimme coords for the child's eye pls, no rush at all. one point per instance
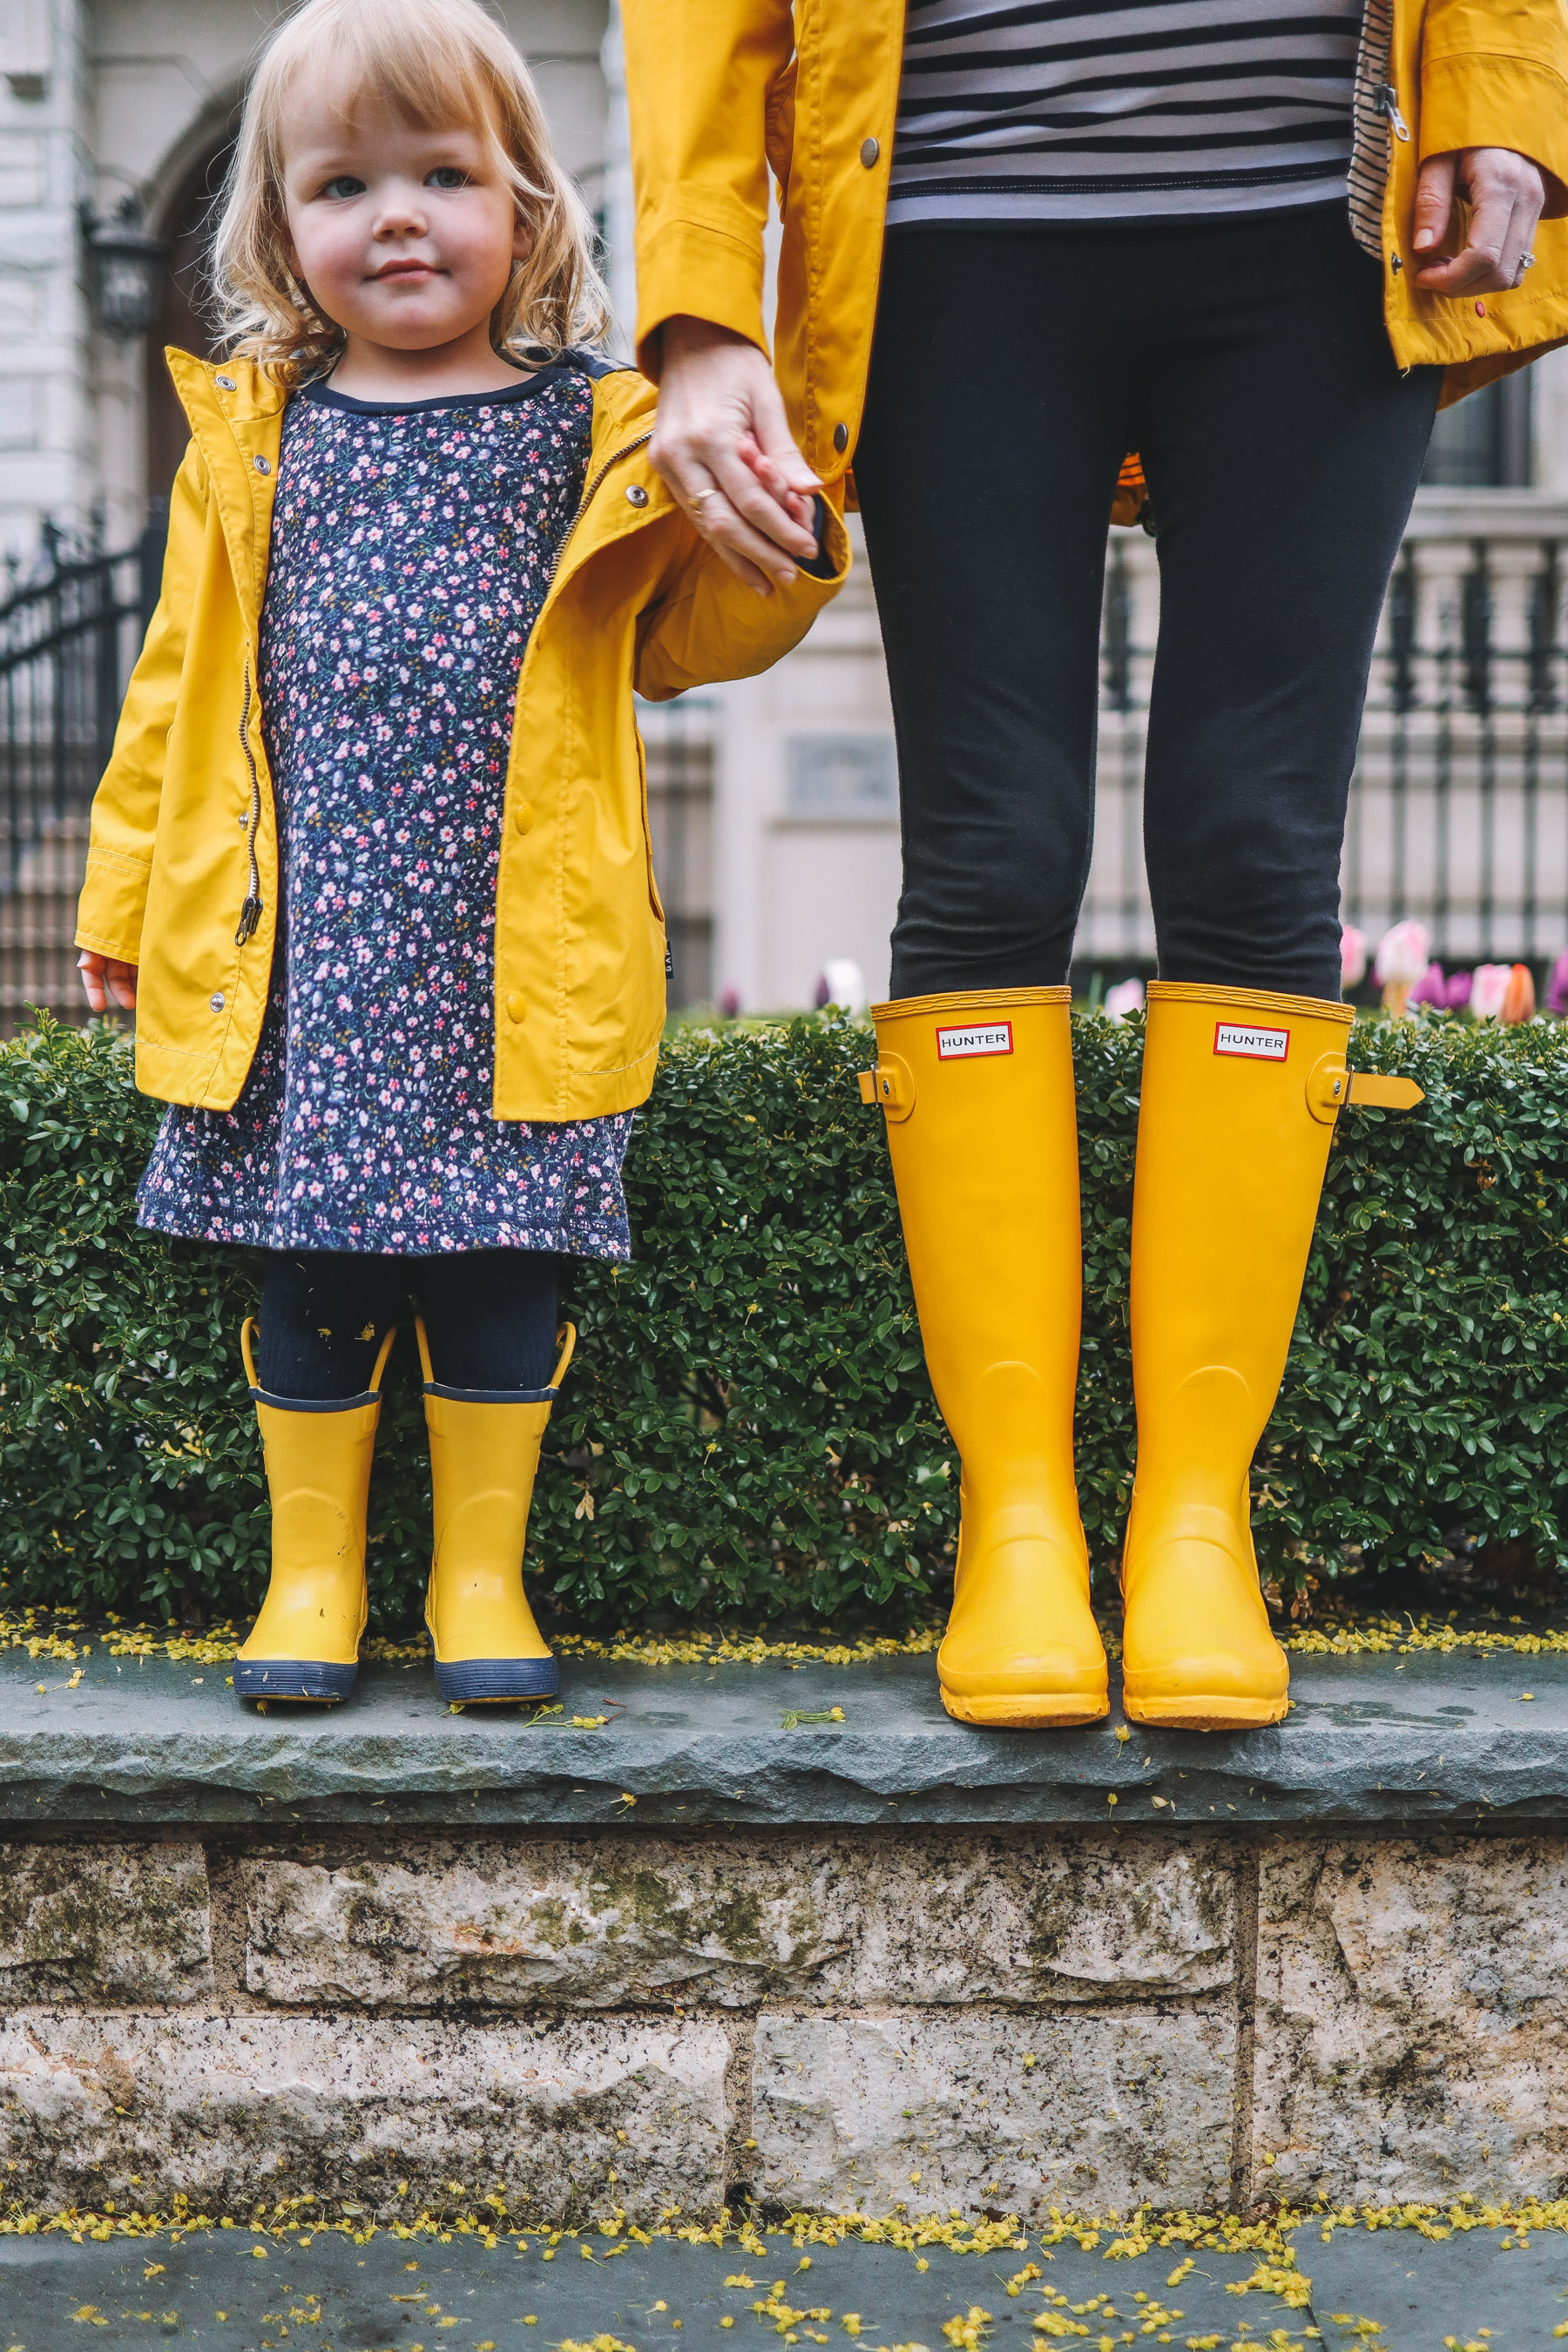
(346, 184)
(446, 175)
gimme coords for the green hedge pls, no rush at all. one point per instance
(747, 1427)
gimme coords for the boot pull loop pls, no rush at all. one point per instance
(424, 1364)
(382, 1354)
(890, 1086)
(246, 1329)
(567, 1336)
(1330, 1089)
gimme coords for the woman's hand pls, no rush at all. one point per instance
(106, 982)
(722, 445)
(1506, 193)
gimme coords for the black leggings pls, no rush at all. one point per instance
(490, 1317)
(1247, 361)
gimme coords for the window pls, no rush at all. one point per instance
(1483, 443)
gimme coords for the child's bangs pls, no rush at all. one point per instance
(432, 67)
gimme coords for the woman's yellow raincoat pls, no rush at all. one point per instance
(182, 873)
(721, 90)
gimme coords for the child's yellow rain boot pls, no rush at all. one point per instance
(484, 1451)
(305, 1643)
(1240, 1093)
(977, 1089)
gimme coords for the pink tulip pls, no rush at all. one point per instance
(1126, 997)
(1431, 988)
(1401, 954)
(1353, 956)
(1557, 986)
(1488, 986)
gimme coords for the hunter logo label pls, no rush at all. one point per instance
(1251, 1044)
(976, 1038)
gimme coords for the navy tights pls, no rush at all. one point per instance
(489, 1316)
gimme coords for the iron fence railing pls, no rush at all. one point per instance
(1458, 810)
(69, 636)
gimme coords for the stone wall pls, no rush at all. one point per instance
(1007, 2021)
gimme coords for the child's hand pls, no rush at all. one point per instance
(106, 982)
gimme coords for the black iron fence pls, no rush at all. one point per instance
(69, 636)
(1458, 810)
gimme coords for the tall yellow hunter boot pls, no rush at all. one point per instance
(305, 1643)
(1240, 1093)
(484, 1453)
(977, 1089)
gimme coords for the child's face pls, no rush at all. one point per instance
(406, 238)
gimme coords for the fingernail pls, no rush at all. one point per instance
(1423, 240)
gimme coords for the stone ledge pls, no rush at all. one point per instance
(1372, 1741)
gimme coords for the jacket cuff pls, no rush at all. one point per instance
(1480, 99)
(694, 268)
(113, 903)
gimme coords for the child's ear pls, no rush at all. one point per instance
(521, 239)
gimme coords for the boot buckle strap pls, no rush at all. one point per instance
(890, 1086)
(1330, 1089)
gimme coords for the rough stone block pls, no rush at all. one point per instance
(992, 2108)
(1412, 2019)
(950, 1919)
(579, 2115)
(567, 1924)
(105, 1922)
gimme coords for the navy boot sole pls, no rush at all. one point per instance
(292, 1678)
(497, 1678)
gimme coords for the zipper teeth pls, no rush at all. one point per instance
(250, 913)
(614, 460)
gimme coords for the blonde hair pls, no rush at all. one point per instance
(432, 62)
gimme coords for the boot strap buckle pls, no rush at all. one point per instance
(1330, 1089)
(890, 1086)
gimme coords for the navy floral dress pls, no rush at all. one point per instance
(411, 552)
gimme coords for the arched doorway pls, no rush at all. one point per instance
(184, 316)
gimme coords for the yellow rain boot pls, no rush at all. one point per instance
(977, 1089)
(484, 1451)
(1240, 1093)
(305, 1643)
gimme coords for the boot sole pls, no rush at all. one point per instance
(1205, 1714)
(1028, 1711)
(297, 1678)
(468, 1681)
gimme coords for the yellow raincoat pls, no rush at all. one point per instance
(721, 90)
(182, 873)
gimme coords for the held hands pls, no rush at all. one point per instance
(1506, 193)
(722, 447)
(106, 982)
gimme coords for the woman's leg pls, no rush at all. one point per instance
(994, 428)
(1282, 448)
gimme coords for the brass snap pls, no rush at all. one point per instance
(869, 151)
(225, 384)
(264, 465)
(635, 495)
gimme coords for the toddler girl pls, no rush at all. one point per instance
(371, 856)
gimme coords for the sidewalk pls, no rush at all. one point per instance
(1487, 2290)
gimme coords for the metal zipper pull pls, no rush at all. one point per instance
(1385, 99)
(250, 913)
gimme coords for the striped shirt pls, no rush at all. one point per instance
(1020, 110)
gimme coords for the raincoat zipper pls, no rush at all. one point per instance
(1385, 99)
(250, 913)
(613, 459)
